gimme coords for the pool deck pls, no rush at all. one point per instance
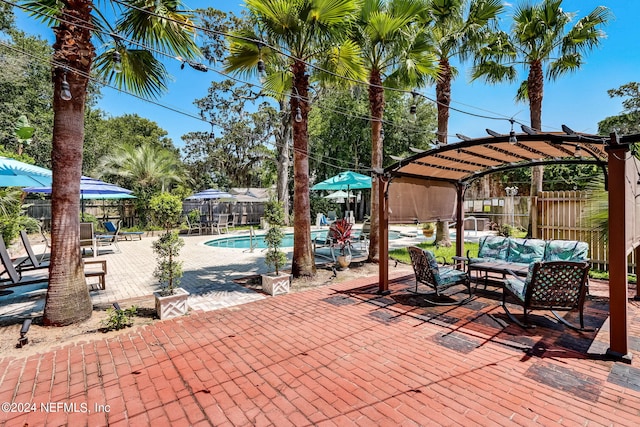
(337, 355)
(209, 274)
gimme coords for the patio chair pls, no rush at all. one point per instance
(331, 217)
(550, 285)
(363, 237)
(88, 238)
(12, 276)
(192, 226)
(220, 222)
(104, 240)
(231, 221)
(47, 243)
(439, 278)
(31, 261)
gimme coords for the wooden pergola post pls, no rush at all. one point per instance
(618, 331)
(460, 220)
(383, 236)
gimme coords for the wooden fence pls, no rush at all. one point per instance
(559, 215)
(563, 215)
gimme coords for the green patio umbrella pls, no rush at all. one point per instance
(345, 181)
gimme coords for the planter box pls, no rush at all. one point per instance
(344, 261)
(172, 305)
(276, 285)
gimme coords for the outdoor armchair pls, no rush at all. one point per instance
(549, 285)
(428, 272)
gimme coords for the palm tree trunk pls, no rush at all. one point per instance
(535, 87)
(283, 137)
(68, 299)
(376, 104)
(443, 96)
(303, 264)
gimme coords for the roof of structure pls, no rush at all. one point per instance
(470, 159)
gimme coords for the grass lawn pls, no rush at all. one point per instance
(401, 255)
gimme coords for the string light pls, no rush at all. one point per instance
(512, 134)
(65, 89)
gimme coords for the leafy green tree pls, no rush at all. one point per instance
(79, 28)
(540, 43)
(238, 156)
(146, 169)
(395, 51)
(308, 31)
(628, 121)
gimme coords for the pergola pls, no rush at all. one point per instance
(430, 185)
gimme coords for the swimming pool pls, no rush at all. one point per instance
(244, 242)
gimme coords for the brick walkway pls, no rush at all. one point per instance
(335, 356)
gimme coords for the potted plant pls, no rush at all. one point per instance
(340, 231)
(428, 229)
(275, 283)
(171, 301)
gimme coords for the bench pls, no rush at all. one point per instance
(498, 254)
(96, 268)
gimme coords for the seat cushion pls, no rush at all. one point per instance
(433, 266)
(566, 250)
(516, 286)
(526, 250)
(450, 276)
(494, 247)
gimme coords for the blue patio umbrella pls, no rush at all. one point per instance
(14, 173)
(91, 189)
(212, 194)
(346, 181)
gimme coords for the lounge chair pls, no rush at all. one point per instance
(104, 240)
(550, 285)
(88, 238)
(31, 261)
(438, 278)
(11, 276)
(220, 222)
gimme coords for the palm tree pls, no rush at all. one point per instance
(539, 43)
(307, 31)
(142, 26)
(458, 29)
(395, 53)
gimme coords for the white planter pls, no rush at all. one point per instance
(172, 305)
(276, 285)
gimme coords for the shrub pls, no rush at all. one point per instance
(274, 215)
(119, 319)
(30, 225)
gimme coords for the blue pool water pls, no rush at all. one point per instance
(244, 242)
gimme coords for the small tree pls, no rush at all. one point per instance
(274, 215)
(166, 210)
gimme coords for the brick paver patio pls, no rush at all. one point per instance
(339, 355)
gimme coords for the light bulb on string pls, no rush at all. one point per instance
(512, 134)
(65, 89)
(117, 61)
(298, 117)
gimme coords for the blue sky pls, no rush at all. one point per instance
(578, 100)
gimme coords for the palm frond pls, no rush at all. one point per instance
(141, 74)
(164, 29)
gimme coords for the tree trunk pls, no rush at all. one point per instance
(282, 141)
(68, 299)
(535, 87)
(376, 104)
(303, 264)
(443, 96)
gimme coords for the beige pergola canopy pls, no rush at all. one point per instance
(430, 185)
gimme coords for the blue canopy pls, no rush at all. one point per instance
(344, 181)
(14, 173)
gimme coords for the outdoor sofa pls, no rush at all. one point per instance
(498, 254)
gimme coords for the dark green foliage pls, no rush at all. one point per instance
(169, 270)
(10, 213)
(30, 225)
(165, 210)
(274, 215)
(119, 319)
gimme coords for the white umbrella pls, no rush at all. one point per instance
(339, 195)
